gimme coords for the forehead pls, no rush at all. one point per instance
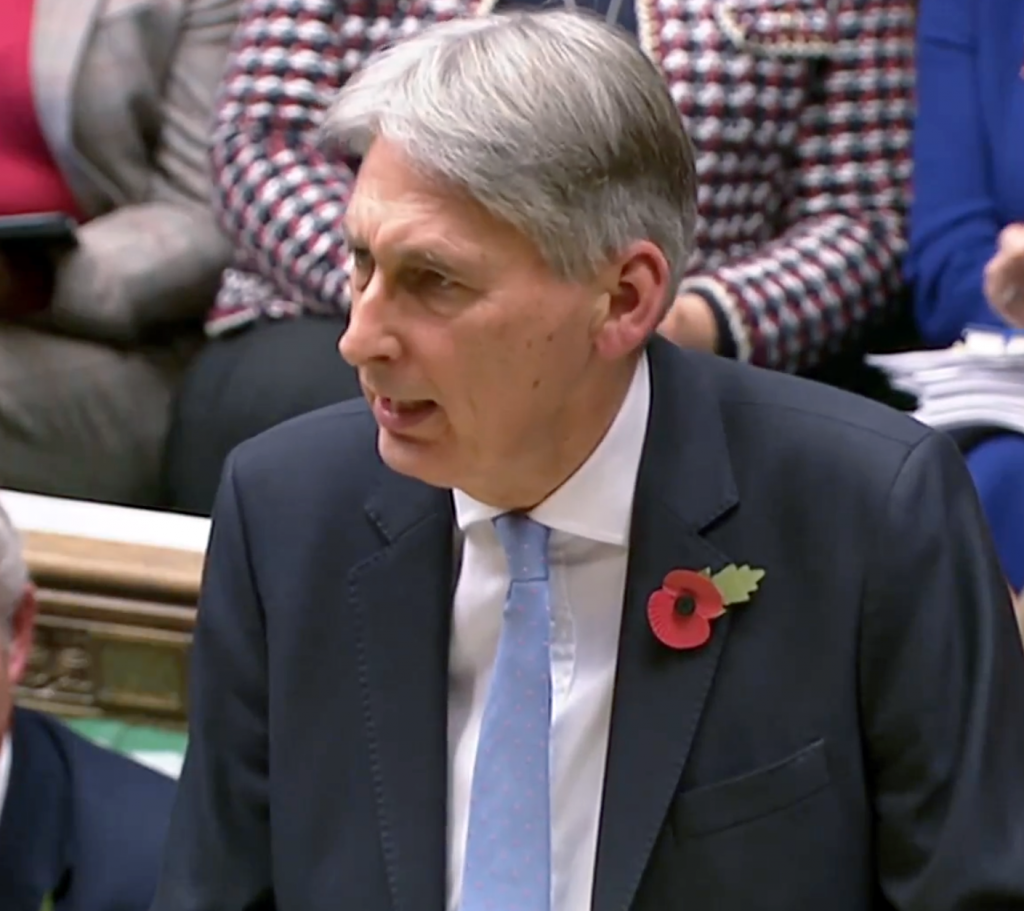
(393, 204)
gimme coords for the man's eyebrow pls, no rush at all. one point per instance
(446, 258)
(351, 236)
(420, 256)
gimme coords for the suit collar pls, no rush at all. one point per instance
(686, 464)
(35, 826)
(685, 486)
(400, 600)
(398, 503)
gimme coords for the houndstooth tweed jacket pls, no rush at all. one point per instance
(125, 92)
(800, 111)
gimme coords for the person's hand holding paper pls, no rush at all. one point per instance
(1004, 276)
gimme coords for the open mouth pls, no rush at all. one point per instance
(398, 415)
(406, 407)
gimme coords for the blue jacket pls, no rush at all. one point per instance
(79, 822)
(968, 154)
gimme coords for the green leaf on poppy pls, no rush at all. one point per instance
(706, 571)
(737, 583)
(47, 903)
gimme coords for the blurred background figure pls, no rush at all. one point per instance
(800, 112)
(77, 823)
(966, 257)
(105, 109)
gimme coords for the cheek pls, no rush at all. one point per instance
(558, 357)
(529, 381)
(501, 376)
(491, 391)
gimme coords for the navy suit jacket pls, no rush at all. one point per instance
(851, 739)
(80, 823)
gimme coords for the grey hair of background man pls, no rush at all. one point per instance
(13, 573)
(553, 121)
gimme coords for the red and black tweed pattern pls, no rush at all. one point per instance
(801, 116)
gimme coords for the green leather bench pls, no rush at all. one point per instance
(158, 748)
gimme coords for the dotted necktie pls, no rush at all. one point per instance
(508, 848)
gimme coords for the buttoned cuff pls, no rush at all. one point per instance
(733, 338)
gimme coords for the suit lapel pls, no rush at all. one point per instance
(401, 600)
(61, 32)
(34, 823)
(684, 484)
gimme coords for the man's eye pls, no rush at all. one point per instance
(361, 268)
(427, 280)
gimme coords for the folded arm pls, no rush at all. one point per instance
(277, 197)
(142, 266)
(836, 266)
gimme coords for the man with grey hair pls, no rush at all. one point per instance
(81, 828)
(563, 617)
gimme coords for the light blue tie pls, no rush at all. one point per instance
(508, 848)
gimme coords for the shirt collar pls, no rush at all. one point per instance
(597, 501)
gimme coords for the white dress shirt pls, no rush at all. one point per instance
(5, 771)
(589, 517)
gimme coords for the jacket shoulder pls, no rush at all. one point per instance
(120, 811)
(330, 451)
(790, 403)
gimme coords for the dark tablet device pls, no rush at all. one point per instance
(42, 227)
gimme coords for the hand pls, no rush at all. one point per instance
(690, 323)
(1004, 276)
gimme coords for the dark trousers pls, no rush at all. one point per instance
(241, 385)
(86, 420)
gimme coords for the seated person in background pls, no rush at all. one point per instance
(802, 196)
(966, 259)
(79, 824)
(105, 111)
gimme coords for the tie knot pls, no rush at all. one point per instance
(526, 546)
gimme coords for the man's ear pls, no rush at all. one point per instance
(602, 306)
(23, 625)
(628, 312)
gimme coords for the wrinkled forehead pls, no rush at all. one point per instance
(379, 218)
(398, 211)
(391, 197)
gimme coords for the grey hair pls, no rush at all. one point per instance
(553, 121)
(13, 574)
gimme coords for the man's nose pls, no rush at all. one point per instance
(369, 336)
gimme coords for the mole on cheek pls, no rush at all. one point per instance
(536, 384)
(551, 336)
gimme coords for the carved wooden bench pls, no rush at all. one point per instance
(117, 591)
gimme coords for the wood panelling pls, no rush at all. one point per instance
(114, 628)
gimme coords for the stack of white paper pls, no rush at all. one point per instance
(978, 382)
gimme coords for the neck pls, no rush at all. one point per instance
(582, 425)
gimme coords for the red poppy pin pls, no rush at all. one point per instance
(681, 611)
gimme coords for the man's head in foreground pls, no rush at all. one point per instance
(523, 213)
(17, 618)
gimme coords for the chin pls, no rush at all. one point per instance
(425, 461)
